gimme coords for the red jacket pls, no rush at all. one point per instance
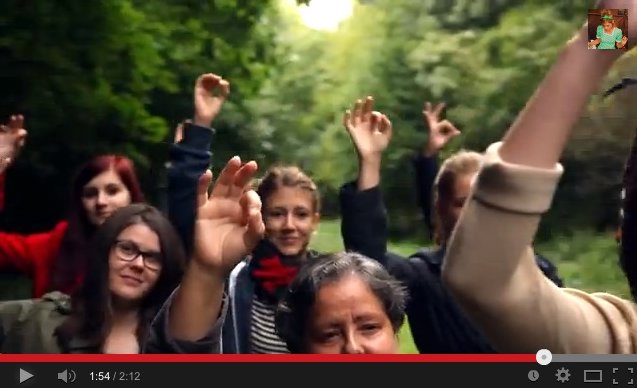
(33, 255)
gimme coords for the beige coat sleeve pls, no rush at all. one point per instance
(490, 269)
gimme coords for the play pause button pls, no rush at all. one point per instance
(24, 376)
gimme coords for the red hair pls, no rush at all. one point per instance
(68, 267)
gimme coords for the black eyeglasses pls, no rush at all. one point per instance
(129, 251)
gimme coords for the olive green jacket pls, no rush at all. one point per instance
(28, 326)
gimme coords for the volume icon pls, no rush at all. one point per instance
(68, 376)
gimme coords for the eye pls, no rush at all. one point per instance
(370, 327)
(89, 192)
(113, 189)
(128, 248)
(328, 336)
(276, 213)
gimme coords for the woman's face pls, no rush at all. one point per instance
(104, 194)
(135, 263)
(348, 318)
(608, 26)
(290, 219)
(450, 208)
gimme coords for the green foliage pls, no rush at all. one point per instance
(115, 76)
(484, 58)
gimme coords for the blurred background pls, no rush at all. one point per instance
(117, 76)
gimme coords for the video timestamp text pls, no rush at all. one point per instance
(116, 376)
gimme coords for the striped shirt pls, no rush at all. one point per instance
(263, 336)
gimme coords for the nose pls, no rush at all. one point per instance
(352, 345)
(289, 222)
(138, 263)
(101, 199)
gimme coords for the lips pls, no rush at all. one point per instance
(288, 240)
(131, 280)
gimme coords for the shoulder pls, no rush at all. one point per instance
(599, 28)
(618, 31)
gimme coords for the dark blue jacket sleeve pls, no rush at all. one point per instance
(628, 245)
(363, 221)
(364, 230)
(425, 171)
(188, 160)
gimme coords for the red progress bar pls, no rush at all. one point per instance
(466, 358)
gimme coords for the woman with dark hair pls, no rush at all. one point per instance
(342, 303)
(136, 261)
(56, 260)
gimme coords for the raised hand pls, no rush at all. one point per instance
(229, 223)
(440, 131)
(210, 93)
(370, 131)
(12, 137)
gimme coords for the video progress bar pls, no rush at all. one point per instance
(557, 358)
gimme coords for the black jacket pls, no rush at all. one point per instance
(438, 325)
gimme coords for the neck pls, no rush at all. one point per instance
(125, 314)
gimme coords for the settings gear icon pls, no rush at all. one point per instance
(562, 375)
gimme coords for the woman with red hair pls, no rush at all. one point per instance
(56, 259)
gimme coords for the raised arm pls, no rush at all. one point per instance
(190, 155)
(227, 228)
(363, 213)
(490, 266)
(440, 132)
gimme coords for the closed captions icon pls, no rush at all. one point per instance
(68, 376)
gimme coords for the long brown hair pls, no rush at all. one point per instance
(91, 316)
(70, 262)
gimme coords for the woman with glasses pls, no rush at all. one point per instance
(136, 262)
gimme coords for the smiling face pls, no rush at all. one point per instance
(104, 194)
(347, 317)
(134, 264)
(290, 219)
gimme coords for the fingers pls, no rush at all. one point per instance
(358, 111)
(224, 88)
(242, 179)
(448, 128)
(439, 108)
(427, 108)
(208, 81)
(367, 108)
(362, 112)
(347, 117)
(226, 177)
(211, 82)
(16, 122)
(251, 204)
(385, 124)
(202, 188)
